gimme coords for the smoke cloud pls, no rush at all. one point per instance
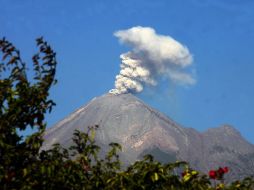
(152, 57)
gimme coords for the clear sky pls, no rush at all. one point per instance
(218, 33)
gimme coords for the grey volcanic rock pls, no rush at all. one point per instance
(142, 130)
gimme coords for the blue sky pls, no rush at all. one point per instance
(218, 33)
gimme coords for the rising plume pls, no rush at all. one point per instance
(151, 58)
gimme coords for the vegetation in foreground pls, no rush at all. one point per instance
(24, 103)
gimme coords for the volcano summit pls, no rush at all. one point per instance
(141, 130)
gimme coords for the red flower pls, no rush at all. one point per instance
(221, 171)
(225, 169)
(212, 174)
(184, 173)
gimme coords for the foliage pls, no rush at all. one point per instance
(24, 166)
(23, 104)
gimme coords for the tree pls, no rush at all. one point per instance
(24, 166)
(23, 104)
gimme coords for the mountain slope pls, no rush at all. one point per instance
(141, 130)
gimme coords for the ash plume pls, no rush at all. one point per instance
(152, 57)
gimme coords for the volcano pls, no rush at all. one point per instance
(141, 130)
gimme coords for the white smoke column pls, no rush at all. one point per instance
(153, 56)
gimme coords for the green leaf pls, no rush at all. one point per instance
(156, 176)
(25, 172)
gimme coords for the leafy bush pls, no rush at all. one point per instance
(24, 166)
